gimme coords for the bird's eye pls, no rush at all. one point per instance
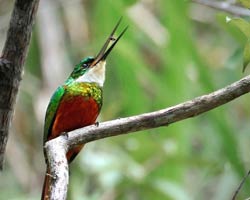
(85, 65)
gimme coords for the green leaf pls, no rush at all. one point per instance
(245, 3)
(224, 19)
(242, 25)
(246, 55)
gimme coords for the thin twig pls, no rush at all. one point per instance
(240, 186)
(224, 6)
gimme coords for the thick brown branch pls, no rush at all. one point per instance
(155, 119)
(224, 6)
(56, 156)
(11, 63)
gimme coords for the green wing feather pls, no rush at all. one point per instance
(51, 111)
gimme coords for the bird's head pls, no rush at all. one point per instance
(92, 69)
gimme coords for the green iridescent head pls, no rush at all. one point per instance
(82, 67)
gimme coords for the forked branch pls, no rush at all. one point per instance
(164, 117)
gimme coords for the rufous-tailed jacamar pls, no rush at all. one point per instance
(78, 101)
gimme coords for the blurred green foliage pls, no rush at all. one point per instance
(173, 51)
(244, 27)
(245, 3)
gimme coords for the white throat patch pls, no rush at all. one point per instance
(95, 74)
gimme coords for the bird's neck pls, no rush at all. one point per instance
(95, 74)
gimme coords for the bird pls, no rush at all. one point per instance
(78, 101)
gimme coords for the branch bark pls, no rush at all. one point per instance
(11, 63)
(224, 6)
(164, 117)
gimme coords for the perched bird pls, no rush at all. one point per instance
(77, 102)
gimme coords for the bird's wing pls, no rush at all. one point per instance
(51, 111)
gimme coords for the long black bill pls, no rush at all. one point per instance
(104, 52)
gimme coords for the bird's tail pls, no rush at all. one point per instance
(46, 184)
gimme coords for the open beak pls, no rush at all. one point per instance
(105, 51)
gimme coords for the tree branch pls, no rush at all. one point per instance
(224, 6)
(59, 169)
(11, 63)
(116, 127)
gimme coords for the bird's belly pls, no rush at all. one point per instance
(73, 113)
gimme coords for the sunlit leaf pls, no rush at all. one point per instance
(246, 55)
(242, 25)
(224, 21)
(245, 3)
